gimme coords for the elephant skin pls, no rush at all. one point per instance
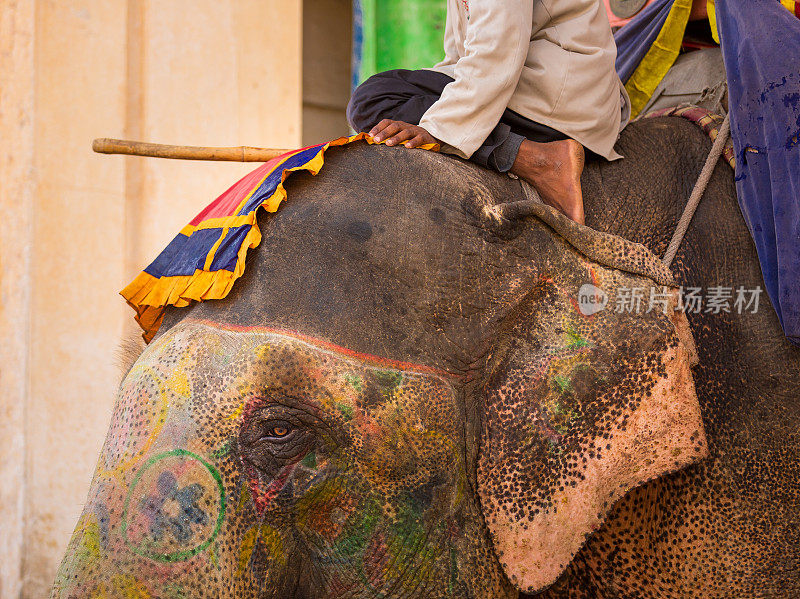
(404, 397)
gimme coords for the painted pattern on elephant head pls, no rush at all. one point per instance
(258, 462)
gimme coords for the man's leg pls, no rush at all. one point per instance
(544, 157)
(554, 169)
(399, 95)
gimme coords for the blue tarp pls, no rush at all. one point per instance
(760, 42)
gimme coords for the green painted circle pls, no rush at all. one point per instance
(176, 556)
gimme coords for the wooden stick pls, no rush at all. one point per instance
(139, 148)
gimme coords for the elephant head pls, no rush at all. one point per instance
(403, 396)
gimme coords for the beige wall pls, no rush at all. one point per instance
(77, 226)
(16, 198)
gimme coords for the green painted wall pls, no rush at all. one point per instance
(396, 34)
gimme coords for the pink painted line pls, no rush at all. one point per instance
(372, 360)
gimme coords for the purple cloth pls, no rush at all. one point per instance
(760, 42)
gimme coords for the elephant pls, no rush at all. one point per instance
(427, 384)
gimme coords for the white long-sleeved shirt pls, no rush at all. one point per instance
(552, 61)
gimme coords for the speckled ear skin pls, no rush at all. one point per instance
(579, 410)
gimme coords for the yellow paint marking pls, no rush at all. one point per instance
(246, 550)
(236, 414)
(128, 587)
(100, 592)
(269, 537)
(178, 383)
(262, 350)
(119, 470)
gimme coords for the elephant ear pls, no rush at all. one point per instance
(580, 407)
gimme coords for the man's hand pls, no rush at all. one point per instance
(395, 132)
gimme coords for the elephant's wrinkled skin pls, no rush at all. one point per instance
(400, 398)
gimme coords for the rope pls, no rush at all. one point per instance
(697, 192)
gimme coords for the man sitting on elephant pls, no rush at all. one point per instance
(524, 87)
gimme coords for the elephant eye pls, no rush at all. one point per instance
(276, 430)
(279, 431)
(276, 435)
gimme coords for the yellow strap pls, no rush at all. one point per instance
(660, 57)
(712, 19)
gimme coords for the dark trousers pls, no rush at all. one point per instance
(404, 95)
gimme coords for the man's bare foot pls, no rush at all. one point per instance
(554, 169)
